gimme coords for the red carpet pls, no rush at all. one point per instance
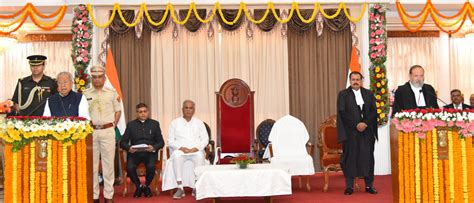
(335, 193)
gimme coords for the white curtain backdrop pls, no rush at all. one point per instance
(194, 67)
(403, 53)
(462, 65)
(14, 65)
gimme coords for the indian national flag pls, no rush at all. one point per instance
(354, 64)
(114, 83)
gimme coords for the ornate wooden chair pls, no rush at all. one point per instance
(141, 170)
(263, 131)
(330, 150)
(235, 121)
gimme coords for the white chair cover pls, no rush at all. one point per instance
(288, 138)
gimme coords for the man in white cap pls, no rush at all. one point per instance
(105, 111)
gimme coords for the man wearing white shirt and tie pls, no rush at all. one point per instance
(187, 139)
(457, 99)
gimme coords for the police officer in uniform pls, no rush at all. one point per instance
(105, 111)
(32, 92)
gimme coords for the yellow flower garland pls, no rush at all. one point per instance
(424, 171)
(32, 171)
(417, 169)
(15, 177)
(401, 146)
(464, 171)
(451, 166)
(407, 164)
(313, 15)
(434, 137)
(49, 171)
(217, 9)
(430, 166)
(190, 10)
(26, 175)
(65, 173)
(72, 173)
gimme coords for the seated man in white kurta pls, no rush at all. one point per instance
(187, 138)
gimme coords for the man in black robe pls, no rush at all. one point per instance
(415, 93)
(357, 132)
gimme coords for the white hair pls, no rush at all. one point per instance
(64, 73)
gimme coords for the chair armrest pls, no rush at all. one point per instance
(123, 160)
(271, 149)
(167, 152)
(310, 148)
(217, 155)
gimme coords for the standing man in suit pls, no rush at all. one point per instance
(457, 101)
(357, 132)
(415, 93)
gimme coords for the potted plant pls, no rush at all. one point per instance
(243, 160)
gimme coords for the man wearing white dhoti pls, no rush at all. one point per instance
(187, 138)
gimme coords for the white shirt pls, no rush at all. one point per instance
(83, 109)
(419, 98)
(187, 134)
(459, 107)
(358, 97)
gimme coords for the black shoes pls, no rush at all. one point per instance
(147, 191)
(348, 191)
(138, 192)
(371, 190)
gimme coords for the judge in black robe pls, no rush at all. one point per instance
(405, 96)
(357, 132)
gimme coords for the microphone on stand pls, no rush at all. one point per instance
(421, 91)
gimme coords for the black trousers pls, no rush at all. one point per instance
(369, 180)
(148, 159)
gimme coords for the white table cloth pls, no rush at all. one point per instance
(258, 180)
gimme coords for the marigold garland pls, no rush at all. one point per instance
(417, 170)
(15, 177)
(169, 10)
(29, 10)
(451, 166)
(464, 178)
(32, 172)
(72, 173)
(49, 172)
(436, 184)
(378, 56)
(430, 166)
(401, 166)
(424, 171)
(406, 159)
(430, 10)
(65, 181)
(26, 169)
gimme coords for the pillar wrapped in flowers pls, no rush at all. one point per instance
(47, 159)
(433, 156)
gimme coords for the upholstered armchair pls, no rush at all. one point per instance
(141, 171)
(263, 131)
(330, 150)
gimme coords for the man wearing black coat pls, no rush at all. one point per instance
(146, 132)
(415, 93)
(357, 132)
(457, 99)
